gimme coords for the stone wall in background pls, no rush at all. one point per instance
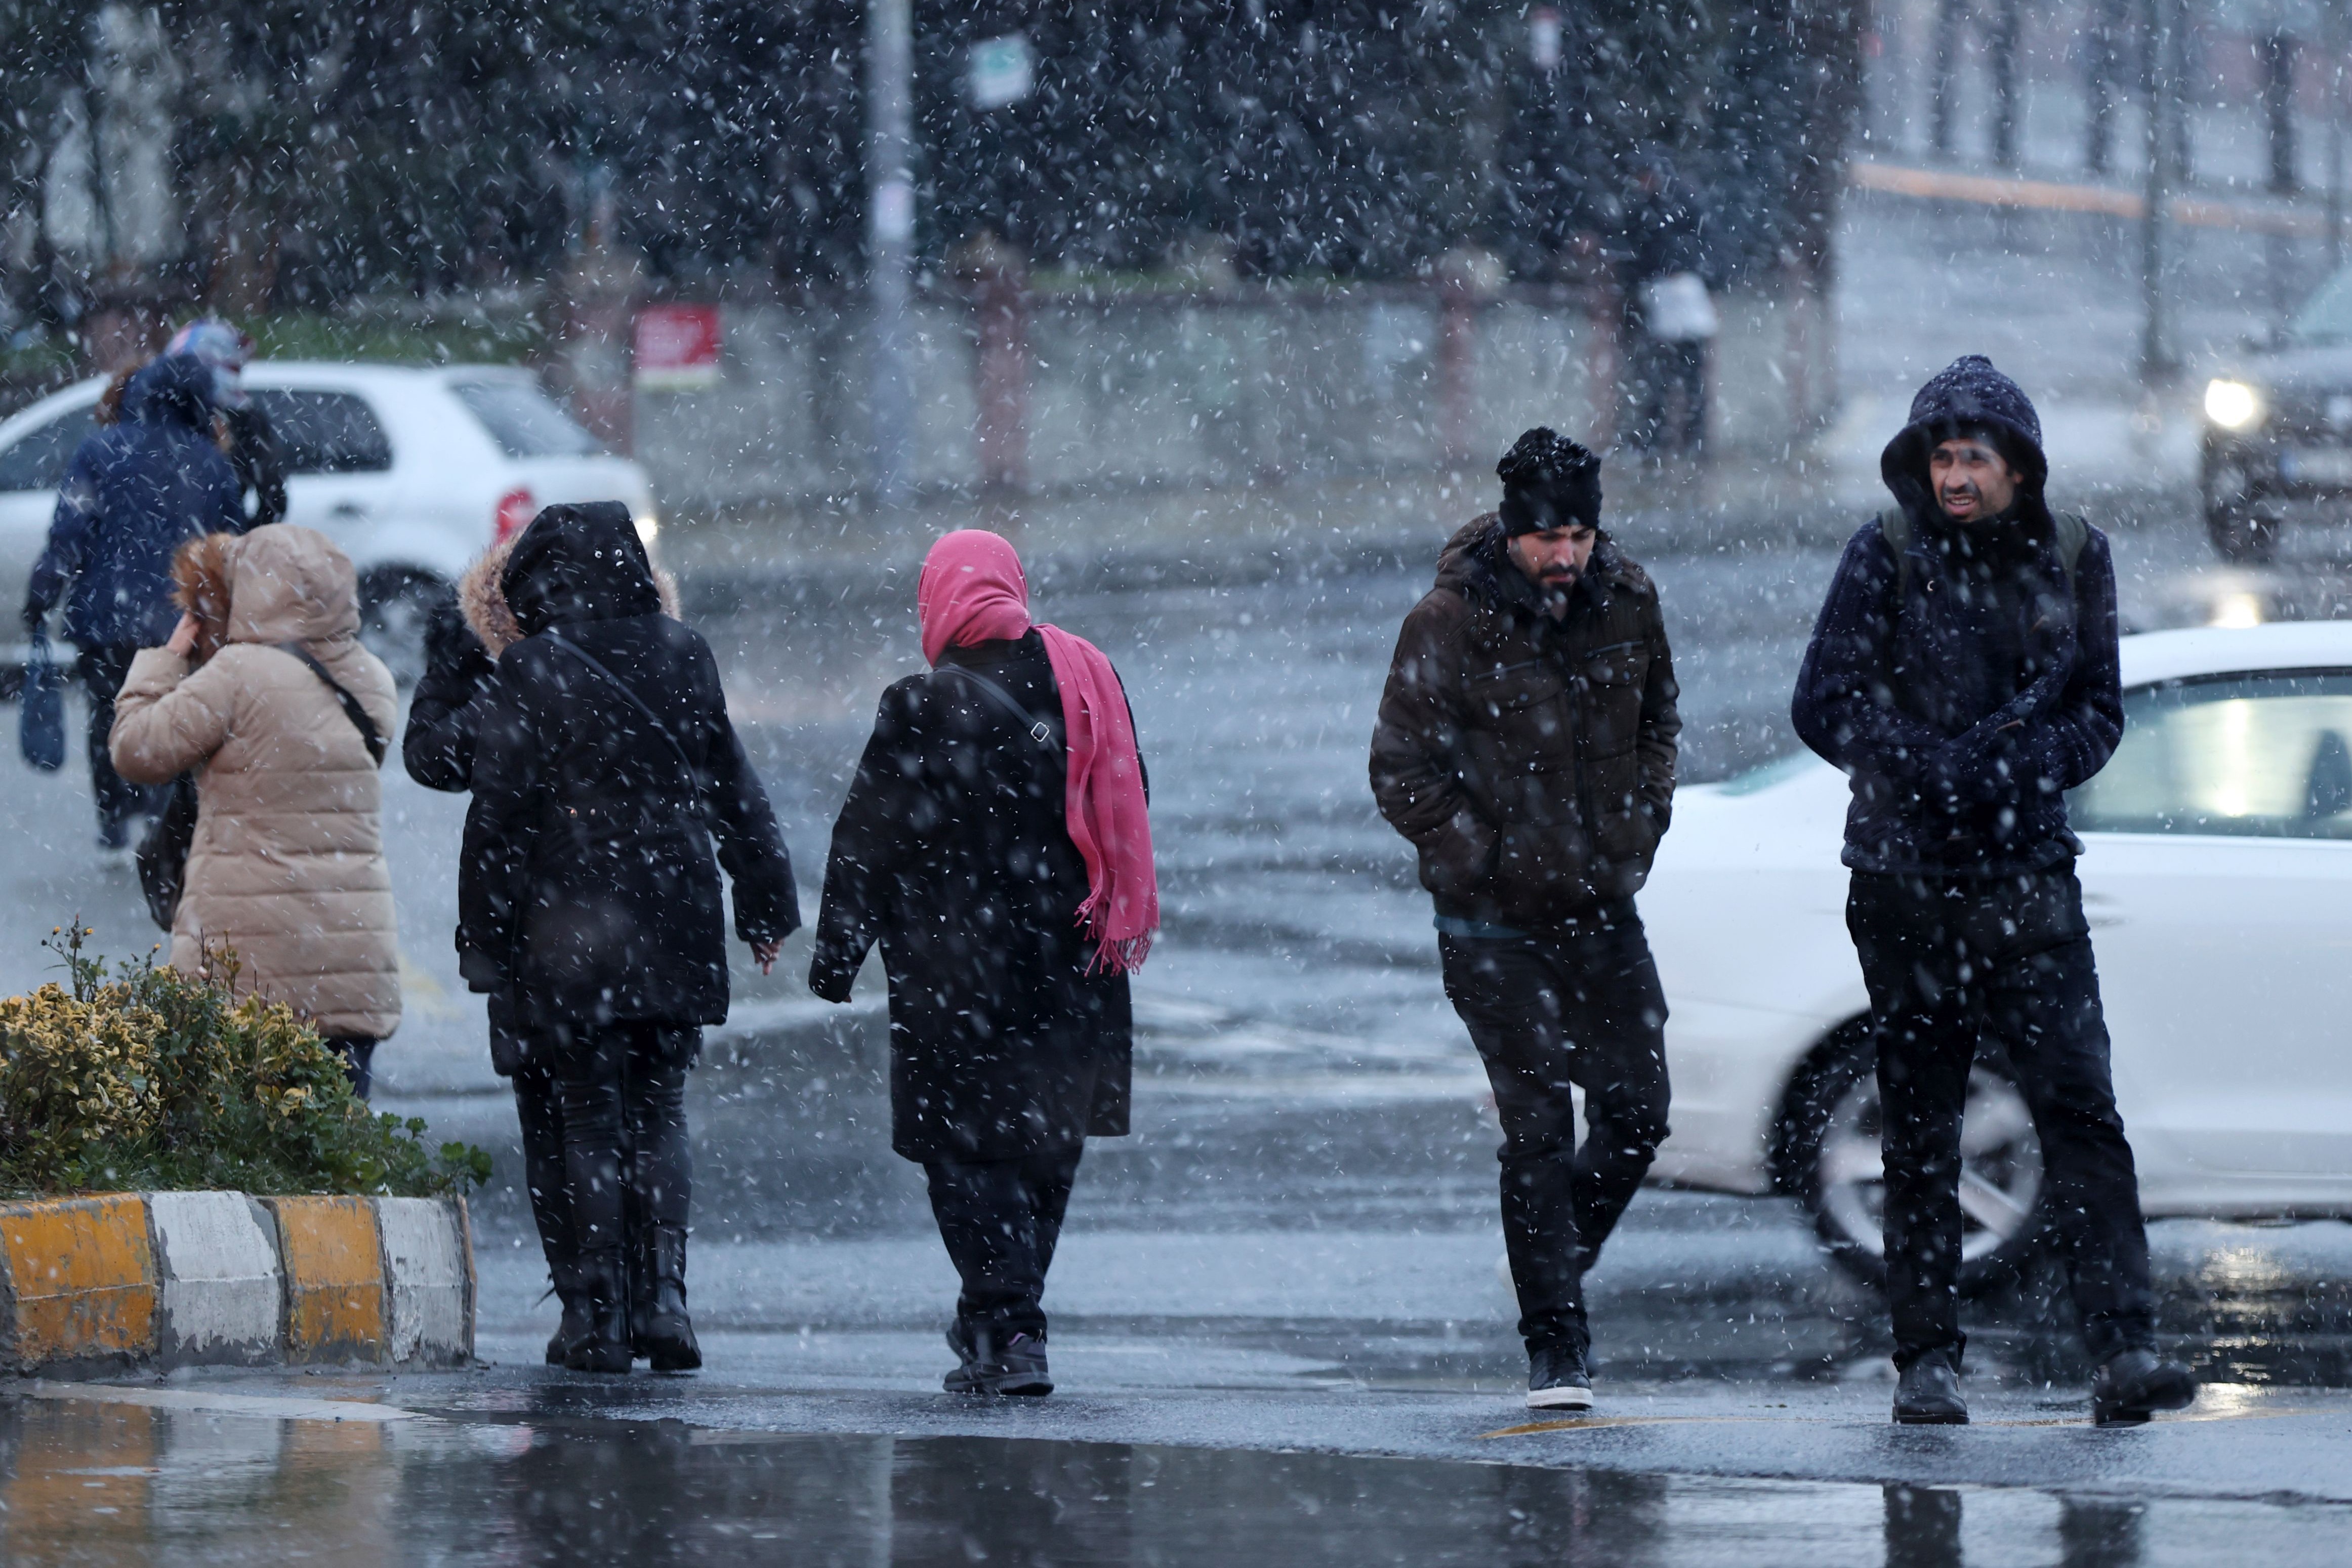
(1189, 391)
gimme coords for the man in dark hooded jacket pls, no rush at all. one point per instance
(1965, 673)
(1526, 745)
(135, 491)
(588, 902)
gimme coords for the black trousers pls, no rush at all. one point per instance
(1546, 1012)
(119, 802)
(1668, 389)
(359, 1061)
(1001, 1220)
(622, 1093)
(1954, 961)
(539, 1107)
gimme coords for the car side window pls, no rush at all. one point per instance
(2241, 755)
(37, 459)
(324, 432)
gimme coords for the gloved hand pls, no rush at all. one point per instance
(830, 978)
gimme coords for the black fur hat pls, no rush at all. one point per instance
(1549, 481)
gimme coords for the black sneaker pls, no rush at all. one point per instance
(1557, 1380)
(2134, 1385)
(1017, 1366)
(1928, 1393)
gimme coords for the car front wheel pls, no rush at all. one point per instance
(1831, 1156)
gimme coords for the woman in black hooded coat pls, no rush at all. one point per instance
(604, 765)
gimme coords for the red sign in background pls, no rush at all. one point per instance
(678, 346)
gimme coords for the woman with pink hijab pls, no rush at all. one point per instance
(996, 843)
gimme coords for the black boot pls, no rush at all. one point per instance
(604, 1293)
(994, 1362)
(565, 1273)
(1929, 1392)
(638, 1254)
(664, 1333)
(2134, 1385)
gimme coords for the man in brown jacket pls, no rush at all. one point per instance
(1526, 745)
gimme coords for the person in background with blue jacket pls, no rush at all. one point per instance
(135, 491)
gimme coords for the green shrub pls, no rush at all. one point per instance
(158, 1080)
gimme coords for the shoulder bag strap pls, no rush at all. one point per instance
(358, 715)
(693, 779)
(1037, 729)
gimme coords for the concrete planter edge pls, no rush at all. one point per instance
(106, 1283)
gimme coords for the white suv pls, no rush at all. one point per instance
(412, 471)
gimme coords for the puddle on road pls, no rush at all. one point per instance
(114, 1483)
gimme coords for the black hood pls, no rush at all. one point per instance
(1967, 395)
(174, 389)
(579, 564)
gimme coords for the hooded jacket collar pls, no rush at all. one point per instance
(579, 564)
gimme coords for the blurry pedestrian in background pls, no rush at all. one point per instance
(1965, 672)
(265, 693)
(246, 435)
(997, 843)
(1674, 317)
(465, 632)
(1526, 745)
(589, 904)
(135, 491)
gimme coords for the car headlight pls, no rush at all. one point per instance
(648, 527)
(2233, 404)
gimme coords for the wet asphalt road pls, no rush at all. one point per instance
(1296, 1248)
(495, 1468)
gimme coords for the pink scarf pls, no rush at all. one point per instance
(972, 591)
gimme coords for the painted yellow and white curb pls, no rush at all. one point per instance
(166, 1279)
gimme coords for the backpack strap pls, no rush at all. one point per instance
(369, 734)
(1895, 526)
(2074, 532)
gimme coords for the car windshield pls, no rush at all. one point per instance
(2327, 317)
(524, 421)
(37, 460)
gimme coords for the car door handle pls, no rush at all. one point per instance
(2103, 911)
(349, 511)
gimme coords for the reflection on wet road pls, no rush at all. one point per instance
(102, 1483)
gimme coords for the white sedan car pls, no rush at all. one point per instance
(2217, 876)
(412, 471)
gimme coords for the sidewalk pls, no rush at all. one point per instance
(2121, 452)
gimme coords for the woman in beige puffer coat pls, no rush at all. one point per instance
(286, 867)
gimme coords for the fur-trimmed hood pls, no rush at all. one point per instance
(286, 583)
(484, 602)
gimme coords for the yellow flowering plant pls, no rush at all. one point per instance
(151, 1078)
